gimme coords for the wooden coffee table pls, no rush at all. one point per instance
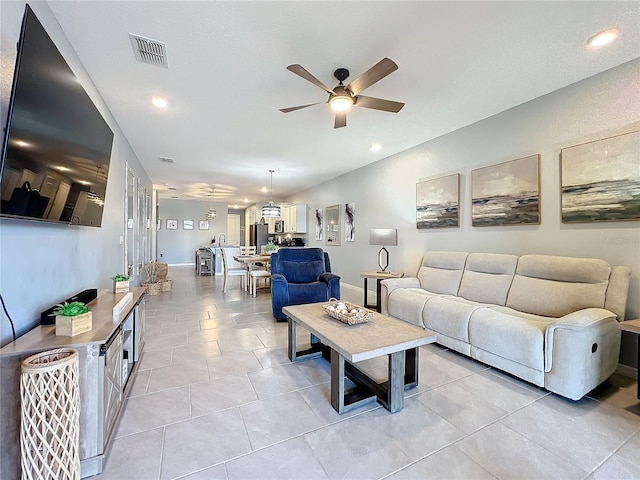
(344, 345)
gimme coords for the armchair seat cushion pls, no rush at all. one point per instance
(312, 292)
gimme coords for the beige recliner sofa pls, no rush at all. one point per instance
(552, 321)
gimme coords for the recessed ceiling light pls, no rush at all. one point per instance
(166, 184)
(603, 38)
(264, 190)
(376, 147)
(62, 169)
(246, 200)
(160, 102)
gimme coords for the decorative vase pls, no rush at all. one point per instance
(167, 285)
(71, 326)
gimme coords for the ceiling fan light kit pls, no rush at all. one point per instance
(343, 97)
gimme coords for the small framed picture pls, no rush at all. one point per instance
(172, 224)
(187, 224)
(336, 228)
(203, 224)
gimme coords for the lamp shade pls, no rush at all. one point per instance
(384, 236)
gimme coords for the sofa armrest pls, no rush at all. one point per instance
(389, 285)
(589, 323)
(333, 284)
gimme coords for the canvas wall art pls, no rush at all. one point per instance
(600, 180)
(437, 202)
(319, 229)
(349, 222)
(507, 193)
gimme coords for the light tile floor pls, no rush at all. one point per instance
(217, 398)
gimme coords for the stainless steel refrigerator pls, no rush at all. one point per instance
(258, 235)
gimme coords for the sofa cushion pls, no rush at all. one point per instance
(510, 334)
(556, 286)
(487, 277)
(302, 272)
(441, 272)
(449, 316)
(407, 304)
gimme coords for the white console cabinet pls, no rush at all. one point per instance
(109, 354)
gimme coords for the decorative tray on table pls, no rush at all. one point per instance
(347, 312)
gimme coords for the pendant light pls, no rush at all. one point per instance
(271, 210)
(211, 213)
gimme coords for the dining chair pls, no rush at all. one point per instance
(247, 250)
(232, 271)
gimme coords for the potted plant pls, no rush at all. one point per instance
(120, 283)
(72, 318)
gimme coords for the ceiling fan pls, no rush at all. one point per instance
(343, 97)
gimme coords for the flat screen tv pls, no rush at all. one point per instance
(56, 147)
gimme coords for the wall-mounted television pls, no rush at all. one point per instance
(56, 145)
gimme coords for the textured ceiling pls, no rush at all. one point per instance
(459, 62)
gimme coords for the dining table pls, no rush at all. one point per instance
(248, 261)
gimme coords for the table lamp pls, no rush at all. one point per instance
(384, 237)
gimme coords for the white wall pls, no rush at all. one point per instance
(179, 246)
(42, 264)
(384, 192)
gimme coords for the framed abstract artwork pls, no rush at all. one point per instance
(319, 225)
(600, 180)
(203, 225)
(507, 193)
(350, 222)
(187, 224)
(437, 202)
(172, 224)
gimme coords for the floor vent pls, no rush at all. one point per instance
(166, 160)
(149, 51)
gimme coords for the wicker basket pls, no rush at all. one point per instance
(361, 316)
(163, 271)
(50, 419)
(167, 285)
(152, 288)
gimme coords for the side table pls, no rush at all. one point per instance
(379, 276)
(633, 326)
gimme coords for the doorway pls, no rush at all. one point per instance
(233, 229)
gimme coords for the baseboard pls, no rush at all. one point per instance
(627, 371)
(348, 286)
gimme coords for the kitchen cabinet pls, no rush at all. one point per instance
(272, 223)
(295, 218)
(109, 356)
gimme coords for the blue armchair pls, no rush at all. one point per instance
(301, 275)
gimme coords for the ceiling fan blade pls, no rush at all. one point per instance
(300, 71)
(341, 120)
(378, 104)
(293, 109)
(376, 73)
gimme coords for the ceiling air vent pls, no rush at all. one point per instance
(149, 51)
(166, 160)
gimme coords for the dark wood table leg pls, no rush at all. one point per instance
(378, 289)
(337, 381)
(395, 394)
(292, 340)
